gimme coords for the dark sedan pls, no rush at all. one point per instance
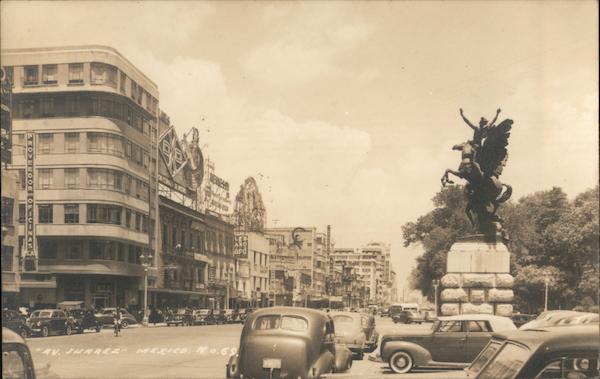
(105, 316)
(452, 342)
(84, 319)
(555, 352)
(16, 322)
(50, 321)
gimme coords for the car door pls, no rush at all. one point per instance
(448, 341)
(478, 335)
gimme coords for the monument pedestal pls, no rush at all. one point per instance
(477, 279)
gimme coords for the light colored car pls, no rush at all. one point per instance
(349, 331)
(452, 342)
(560, 317)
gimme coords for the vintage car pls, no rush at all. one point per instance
(288, 342)
(105, 316)
(231, 316)
(219, 316)
(557, 318)
(244, 312)
(452, 342)
(182, 317)
(16, 322)
(83, 320)
(349, 331)
(203, 317)
(16, 357)
(50, 321)
(553, 352)
(408, 317)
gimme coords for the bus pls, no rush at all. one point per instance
(395, 309)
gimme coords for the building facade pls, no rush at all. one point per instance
(84, 119)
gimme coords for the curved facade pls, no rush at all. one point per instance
(91, 118)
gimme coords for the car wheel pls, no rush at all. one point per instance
(45, 331)
(401, 362)
(68, 330)
(350, 364)
(124, 324)
(98, 327)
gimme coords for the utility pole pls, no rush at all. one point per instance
(546, 282)
(436, 283)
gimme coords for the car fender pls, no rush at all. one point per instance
(421, 356)
(233, 367)
(343, 356)
(324, 364)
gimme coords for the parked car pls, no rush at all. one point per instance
(16, 322)
(105, 316)
(231, 316)
(16, 357)
(288, 342)
(203, 317)
(520, 319)
(349, 331)
(558, 318)
(83, 320)
(552, 352)
(244, 312)
(452, 342)
(50, 321)
(384, 312)
(182, 317)
(408, 317)
(429, 315)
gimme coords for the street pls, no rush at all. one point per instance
(175, 352)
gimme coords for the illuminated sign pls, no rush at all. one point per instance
(30, 256)
(172, 152)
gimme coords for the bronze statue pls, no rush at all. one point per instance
(483, 159)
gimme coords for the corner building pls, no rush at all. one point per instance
(91, 117)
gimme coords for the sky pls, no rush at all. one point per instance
(345, 112)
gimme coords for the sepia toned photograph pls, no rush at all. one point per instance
(300, 189)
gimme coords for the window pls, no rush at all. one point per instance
(267, 322)
(45, 215)
(9, 71)
(127, 183)
(131, 255)
(73, 250)
(103, 214)
(7, 210)
(46, 178)
(506, 363)
(21, 213)
(31, 75)
(121, 252)
(22, 180)
(71, 213)
(7, 258)
(45, 143)
(104, 179)
(449, 326)
(128, 218)
(477, 326)
(73, 106)
(76, 73)
(102, 250)
(122, 81)
(47, 106)
(138, 221)
(49, 74)
(47, 248)
(72, 142)
(103, 74)
(133, 89)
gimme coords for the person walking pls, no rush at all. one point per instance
(117, 321)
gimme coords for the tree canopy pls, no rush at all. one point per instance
(549, 235)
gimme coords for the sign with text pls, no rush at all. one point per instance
(30, 262)
(241, 246)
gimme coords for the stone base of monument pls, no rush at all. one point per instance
(477, 279)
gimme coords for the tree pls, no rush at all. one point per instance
(437, 231)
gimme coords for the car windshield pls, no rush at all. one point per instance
(506, 364)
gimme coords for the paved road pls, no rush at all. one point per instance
(174, 352)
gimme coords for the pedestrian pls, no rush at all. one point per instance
(117, 321)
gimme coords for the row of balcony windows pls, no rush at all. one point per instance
(99, 74)
(90, 142)
(32, 106)
(89, 178)
(93, 214)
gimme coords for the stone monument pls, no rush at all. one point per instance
(477, 276)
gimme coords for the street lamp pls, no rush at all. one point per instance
(436, 283)
(546, 282)
(146, 263)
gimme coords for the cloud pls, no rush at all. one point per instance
(308, 47)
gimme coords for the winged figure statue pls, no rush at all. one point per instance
(482, 162)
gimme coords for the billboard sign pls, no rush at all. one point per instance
(241, 246)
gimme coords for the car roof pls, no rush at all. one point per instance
(498, 323)
(353, 315)
(8, 336)
(556, 337)
(291, 311)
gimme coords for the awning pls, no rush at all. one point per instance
(179, 292)
(70, 305)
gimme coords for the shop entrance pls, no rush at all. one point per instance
(100, 301)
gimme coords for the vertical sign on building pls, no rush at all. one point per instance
(241, 246)
(30, 262)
